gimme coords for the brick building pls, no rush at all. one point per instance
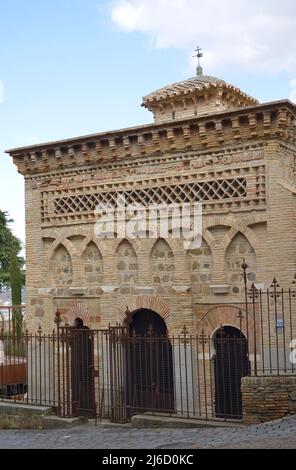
(210, 143)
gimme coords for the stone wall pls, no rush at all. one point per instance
(92, 266)
(200, 265)
(61, 267)
(268, 398)
(162, 264)
(127, 267)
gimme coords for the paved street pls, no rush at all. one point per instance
(278, 434)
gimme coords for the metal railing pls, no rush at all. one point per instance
(269, 322)
(116, 372)
(12, 318)
(28, 367)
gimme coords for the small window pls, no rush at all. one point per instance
(173, 115)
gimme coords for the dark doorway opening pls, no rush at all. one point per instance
(150, 364)
(82, 370)
(230, 365)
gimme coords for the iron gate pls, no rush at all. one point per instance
(115, 374)
(231, 363)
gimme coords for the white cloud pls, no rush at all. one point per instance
(243, 33)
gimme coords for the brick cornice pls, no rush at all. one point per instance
(266, 121)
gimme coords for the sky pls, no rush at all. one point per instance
(76, 67)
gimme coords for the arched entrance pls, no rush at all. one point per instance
(81, 341)
(230, 365)
(150, 363)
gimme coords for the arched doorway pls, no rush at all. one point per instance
(81, 341)
(150, 363)
(230, 365)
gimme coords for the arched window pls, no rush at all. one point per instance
(239, 249)
(162, 263)
(61, 267)
(127, 264)
(200, 265)
(92, 265)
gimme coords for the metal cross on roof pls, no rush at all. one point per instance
(199, 55)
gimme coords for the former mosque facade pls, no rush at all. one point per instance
(211, 143)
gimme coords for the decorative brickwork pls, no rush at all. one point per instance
(187, 193)
(152, 302)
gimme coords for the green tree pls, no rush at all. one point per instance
(16, 292)
(9, 244)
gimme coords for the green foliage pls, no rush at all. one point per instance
(16, 293)
(14, 346)
(15, 280)
(9, 246)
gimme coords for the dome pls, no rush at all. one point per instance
(186, 86)
(202, 94)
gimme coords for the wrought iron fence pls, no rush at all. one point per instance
(117, 372)
(269, 324)
(12, 318)
(113, 374)
(28, 367)
(182, 375)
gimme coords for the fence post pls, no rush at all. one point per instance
(58, 321)
(244, 267)
(254, 295)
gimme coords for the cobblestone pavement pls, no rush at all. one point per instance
(274, 435)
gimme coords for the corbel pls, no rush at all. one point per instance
(141, 143)
(186, 132)
(71, 152)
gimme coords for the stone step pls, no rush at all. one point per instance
(14, 408)
(164, 421)
(21, 416)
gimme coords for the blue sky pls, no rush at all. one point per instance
(73, 67)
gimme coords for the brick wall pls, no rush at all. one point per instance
(268, 398)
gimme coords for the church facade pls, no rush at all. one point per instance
(210, 143)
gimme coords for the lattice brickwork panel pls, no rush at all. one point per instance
(183, 193)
